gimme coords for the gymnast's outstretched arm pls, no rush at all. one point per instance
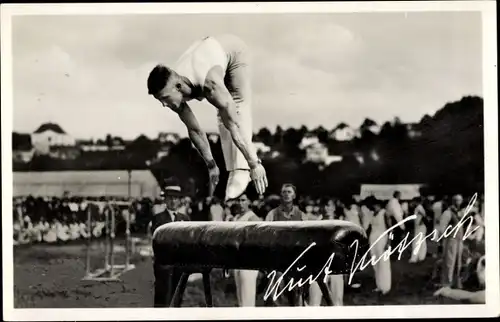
(196, 134)
(218, 95)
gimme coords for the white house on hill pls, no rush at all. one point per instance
(213, 136)
(168, 137)
(343, 132)
(49, 135)
(308, 140)
(318, 153)
(371, 126)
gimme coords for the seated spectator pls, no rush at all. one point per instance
(62, 231)
(313, 213)
(98, 229)
(29, 229)
(44, 227)
(50, 235)
(36, 232)
(74, 228)
(17, 232)
(84, 230)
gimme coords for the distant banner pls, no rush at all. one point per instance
(111, 183)
(386, 191)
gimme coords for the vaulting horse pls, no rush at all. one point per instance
(198, 247)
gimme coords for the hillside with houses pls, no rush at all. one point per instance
(333, 159)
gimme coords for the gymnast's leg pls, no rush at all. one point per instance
(238, 82)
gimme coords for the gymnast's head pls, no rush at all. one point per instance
(168, 87)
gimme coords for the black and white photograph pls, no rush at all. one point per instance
(219, 160)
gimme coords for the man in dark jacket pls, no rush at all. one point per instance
(166, 280)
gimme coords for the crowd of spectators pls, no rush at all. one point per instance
(65, 220)
(51, 219)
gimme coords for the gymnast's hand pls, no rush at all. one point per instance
(213, 173)
(259, 177)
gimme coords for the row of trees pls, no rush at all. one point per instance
(448, 156)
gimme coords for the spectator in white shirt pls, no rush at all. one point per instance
(329, 210)
(379, 242)
(419, 243)
(62, 231)
(351, 213)
(395, 212)
(216, 211)
(37, 232)
(437, 209)
(453, 245)
(51, 233)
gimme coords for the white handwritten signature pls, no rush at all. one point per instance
(273, 286)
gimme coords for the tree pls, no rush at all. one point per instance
(21, 141)
(291, 141)
(322, 134)
(278, 136)
(109, 140)
(265, 136)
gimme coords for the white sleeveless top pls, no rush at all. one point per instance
(198, 59)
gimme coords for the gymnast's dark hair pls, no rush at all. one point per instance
(158, 79)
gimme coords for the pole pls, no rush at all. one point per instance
(89, 235)
(19, 210)
(127, 239)
(112, 238)
(129, 172)
(106, 238)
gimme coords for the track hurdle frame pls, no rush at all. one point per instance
(110, 271)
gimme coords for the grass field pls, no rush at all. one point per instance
(50, 276)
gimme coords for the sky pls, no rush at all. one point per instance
(88, 73)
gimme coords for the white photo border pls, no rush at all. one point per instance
(491, 308)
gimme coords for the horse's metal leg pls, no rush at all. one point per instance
(207, 288)
(326, 293)
(179, 291)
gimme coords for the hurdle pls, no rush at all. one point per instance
(110, 271)
(199, 247)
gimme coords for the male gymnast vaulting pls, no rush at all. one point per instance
(215, 68)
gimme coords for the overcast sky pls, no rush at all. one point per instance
(88, 73)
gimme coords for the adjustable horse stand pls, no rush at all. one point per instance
(181, 287)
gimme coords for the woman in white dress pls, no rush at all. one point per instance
(419, 243)
(379, 241)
